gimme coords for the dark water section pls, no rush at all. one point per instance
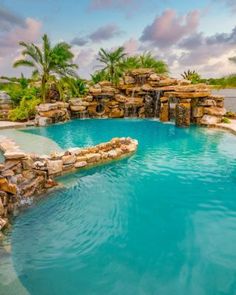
(161, 222)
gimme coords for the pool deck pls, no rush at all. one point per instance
(228, 126)
(8, 124)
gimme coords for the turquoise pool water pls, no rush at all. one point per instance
(161, 222)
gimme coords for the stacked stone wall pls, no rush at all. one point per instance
(141, 93)
(24, 176)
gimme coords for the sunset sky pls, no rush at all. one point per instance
(198, 35)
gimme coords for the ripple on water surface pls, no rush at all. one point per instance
(160, 222)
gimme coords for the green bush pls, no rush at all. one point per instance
(17, 93)
(223, 82)
(225, 120)
(25, 111)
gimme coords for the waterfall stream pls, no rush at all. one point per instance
(156, 103)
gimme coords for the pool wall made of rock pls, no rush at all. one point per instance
(141, 93)
(25, 176)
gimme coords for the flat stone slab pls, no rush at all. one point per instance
(9, 124)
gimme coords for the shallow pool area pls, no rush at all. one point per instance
(30, 142)
(160, 222)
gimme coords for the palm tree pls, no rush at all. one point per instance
(150, 62)
(192, 76)
(48, 62)
(112, 61)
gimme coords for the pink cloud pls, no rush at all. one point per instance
(169, 28)
(30, 32)
(131, 46)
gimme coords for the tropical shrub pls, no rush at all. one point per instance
(117, 63)
(99, 76)
(145, 60)
(149, 61)
(25, 111)
(225, 120)
(17, 93)
(192, 76)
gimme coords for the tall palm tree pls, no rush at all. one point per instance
(112, 60)
(48, 62)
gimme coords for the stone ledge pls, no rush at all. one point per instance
(23, 176)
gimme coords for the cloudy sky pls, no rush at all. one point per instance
(198, 35)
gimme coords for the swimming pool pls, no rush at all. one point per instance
(160, 222)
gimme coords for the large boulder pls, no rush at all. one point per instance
(5, 186)
(42, 121)
(210, 120)
(215, 111)
(54, 166)
(116, 113)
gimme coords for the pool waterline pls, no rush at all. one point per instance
(145, 236)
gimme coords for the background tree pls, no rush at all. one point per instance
(112, 61)
(49, 62)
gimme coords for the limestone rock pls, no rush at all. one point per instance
(198, 112)
(1, 208)
(154, 77)
(188, 94)
(7, 187)
(168, 82)
(116, 113)
(120, 98)
(164, 112)
(45, 107)
(142, 72)
(94, 157)
(3, 223)
(183, 114)
(129, 80)
(112, 154)
(14, 155)
(68, 159)
(148, 88)
(95, 90)
(207, 103)
(77, 108)
(42, 121)
(7, 173)
(81, 164)
(210, 120)
(135, 101)
(105, 83)
(215, 111)
(54, 166)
